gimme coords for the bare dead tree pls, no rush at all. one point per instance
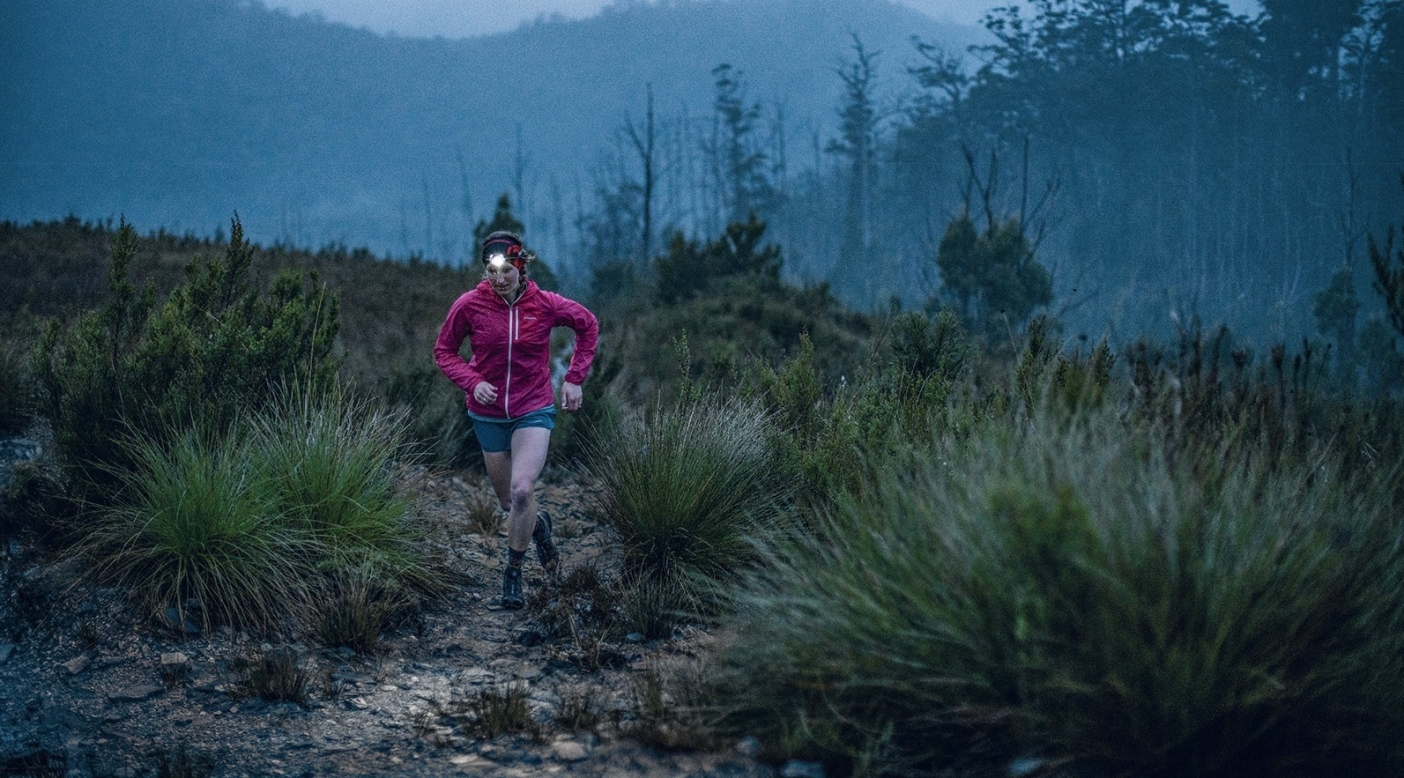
(643, 146)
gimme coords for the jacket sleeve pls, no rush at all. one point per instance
(451, 336)
(571, 314)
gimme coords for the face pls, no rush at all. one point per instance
(504, 276)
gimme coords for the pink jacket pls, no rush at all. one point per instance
(512, 346)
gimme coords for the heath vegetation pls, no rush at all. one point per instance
(923, 546)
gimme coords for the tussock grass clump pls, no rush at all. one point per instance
(250, 523)
(484, 517)
(274, 675)
(581, 710)
(353, 611)
(185, 763)
(668, 711)
(328, 462)
(583, 610)
(493, 711)
(1076, 591)
(199, 522)
(686, 488)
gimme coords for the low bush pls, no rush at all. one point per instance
(217, 348)
(826, 438)
(687, 488)
(329, 461)
(1076, 591)
(251, 522)
(197, 522)
(437, 429)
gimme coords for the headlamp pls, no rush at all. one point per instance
(496, 261)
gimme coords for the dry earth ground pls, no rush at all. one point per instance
(88, 688)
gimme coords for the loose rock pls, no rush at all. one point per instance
(137, 692)
(570, 751)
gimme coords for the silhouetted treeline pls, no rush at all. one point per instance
(1161, 159)
(1165, 160)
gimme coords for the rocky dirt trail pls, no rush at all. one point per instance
(86, 690)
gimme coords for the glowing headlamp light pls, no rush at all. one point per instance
(497, 262)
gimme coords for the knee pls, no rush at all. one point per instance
(521, 493)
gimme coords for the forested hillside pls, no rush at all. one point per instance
(177, 113)
(1159, 161)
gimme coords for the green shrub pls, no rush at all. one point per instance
(923, 347)
(329, 461)
(217, 347)
(825, 440)
(992, 275)
(689, 266)
(687, 488)
(249, 522)
(1079, 592)
(198, 522)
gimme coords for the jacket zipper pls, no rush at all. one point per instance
(511, 338)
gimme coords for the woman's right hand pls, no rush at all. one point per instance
(485, 393)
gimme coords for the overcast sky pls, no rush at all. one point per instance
(466, 18)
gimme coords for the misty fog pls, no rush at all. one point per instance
(1167, 160)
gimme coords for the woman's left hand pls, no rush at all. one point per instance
(571, 396)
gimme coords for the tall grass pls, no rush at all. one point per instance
(327, 459)
(252, 523)
(686, 487)
(199, 521)
(1080, 592)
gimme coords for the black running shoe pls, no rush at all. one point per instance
(546, 552)
(512, 588)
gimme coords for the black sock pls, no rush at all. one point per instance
(515, 558)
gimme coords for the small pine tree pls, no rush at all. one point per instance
(216, 348)
(502, 219)
(993, 276)
(689, 266)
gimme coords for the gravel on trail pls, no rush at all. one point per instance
(87, 688)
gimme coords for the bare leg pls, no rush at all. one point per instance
(499, 470)
(529, 446)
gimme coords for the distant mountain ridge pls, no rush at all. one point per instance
(176, 113)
